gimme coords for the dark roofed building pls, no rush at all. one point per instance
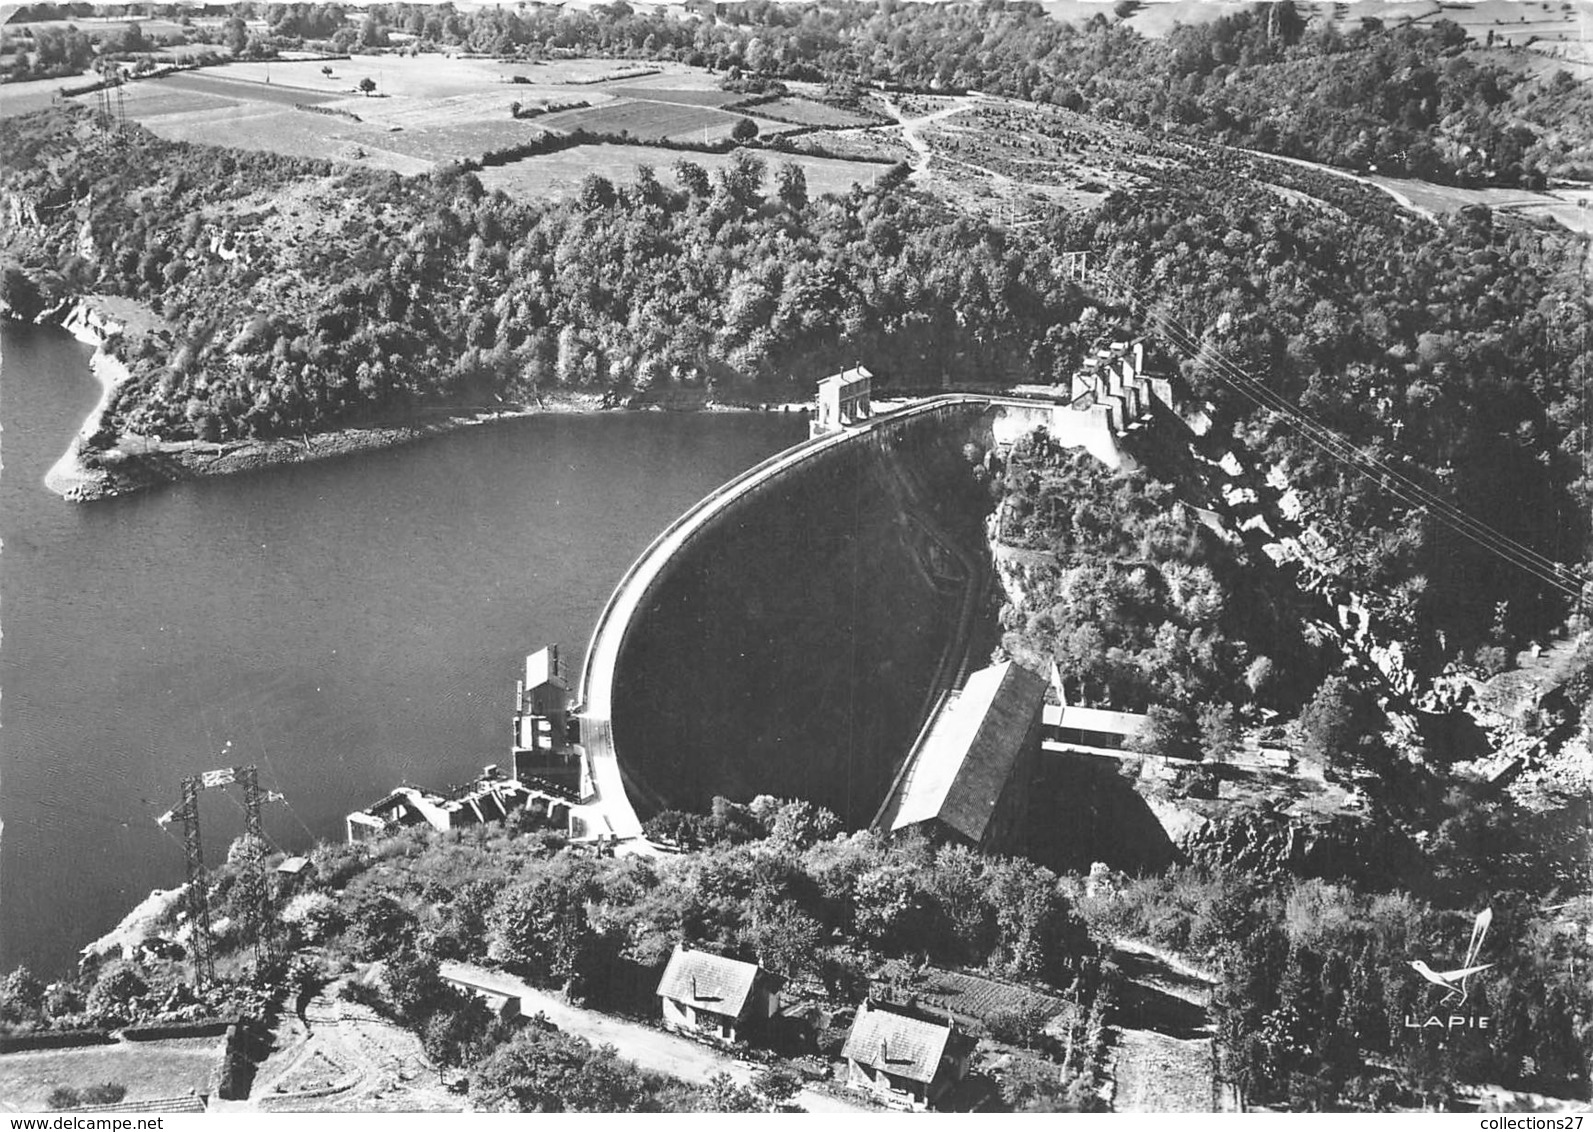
(709, 995)
(903, 1060)
(971, 770)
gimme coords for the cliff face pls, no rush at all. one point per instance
(19, 210)
(1272, 841)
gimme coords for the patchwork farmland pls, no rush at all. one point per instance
(429, 110)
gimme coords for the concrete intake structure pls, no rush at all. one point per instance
(790, 633)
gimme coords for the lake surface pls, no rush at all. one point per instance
(347, 625)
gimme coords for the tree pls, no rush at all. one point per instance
(116, 996)
(540, 926)
(693, 178)
(792, 185)
(1168, 732)
(688, 830)
(785, 939)
(542, 1071)
(378, 926)
(597, 193)
(21, 996)
(722, 1094)
(1219, 735)
(777, 1085)
(456, 1031)
(800, 825)
(744, 130)
(1333, 726)
(316, 915)
(20, 294)
(367, 86)
(235, 35)
(415, 988)
(327, 71)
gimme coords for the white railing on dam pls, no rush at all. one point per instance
(596, 688)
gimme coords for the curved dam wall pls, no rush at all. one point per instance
(785, 636)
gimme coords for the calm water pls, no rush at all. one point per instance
(347, 626)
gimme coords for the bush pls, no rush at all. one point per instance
(1019, 1025)
(65, 1097)
(55, 1039)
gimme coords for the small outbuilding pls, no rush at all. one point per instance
(844, 399)
(710, 996)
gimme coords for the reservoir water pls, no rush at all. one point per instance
(346, 626)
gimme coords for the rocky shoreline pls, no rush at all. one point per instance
(69, 477)
(82, 475)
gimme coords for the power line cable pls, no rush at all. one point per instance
(1390, 479)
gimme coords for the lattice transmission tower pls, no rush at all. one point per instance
(197, 896)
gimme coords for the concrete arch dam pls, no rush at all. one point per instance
(789, 633)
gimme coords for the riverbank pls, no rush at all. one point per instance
(84, 474)
(70, 477)
(136, 464)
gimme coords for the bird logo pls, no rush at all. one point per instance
(1454, 982)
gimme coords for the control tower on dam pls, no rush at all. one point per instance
(789, 634)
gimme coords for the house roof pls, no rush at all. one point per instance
(1094, 719)
(293, 865)
(900, 1045)
(847, 377)
(968, 754)
(708, 981)
(544, 667)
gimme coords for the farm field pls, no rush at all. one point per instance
(659, 121)
(692, 88)
(431, 109)
(35, 94)
(219, 84)
(1561, 205)
(806, 112)
(150, 1070)
(557, 175)
(204, 119)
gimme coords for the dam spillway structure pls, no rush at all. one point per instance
(791, 632)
